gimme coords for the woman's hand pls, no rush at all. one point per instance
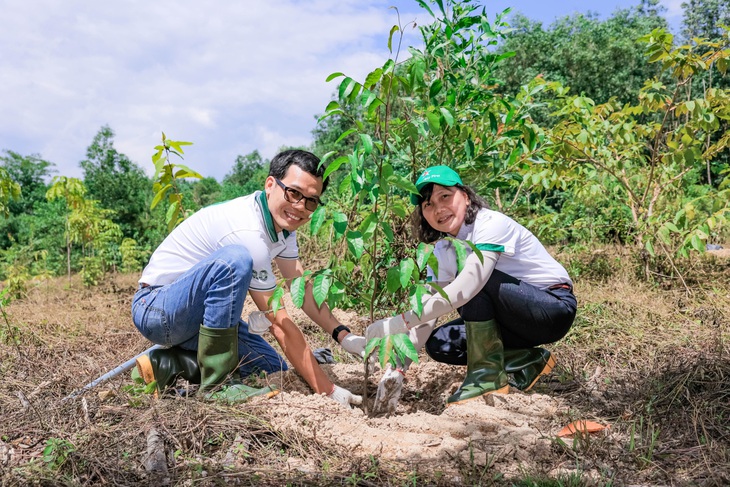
(386, 326)
(355, 344)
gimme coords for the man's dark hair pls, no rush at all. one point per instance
(425, 232)
(306, 161)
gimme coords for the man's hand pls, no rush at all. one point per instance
(345, 397)
(386, 326)
(355, 344)
(389, 391)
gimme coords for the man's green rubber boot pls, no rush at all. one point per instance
(485, 362)
(218, 358)
(165, 365)
(527, 365)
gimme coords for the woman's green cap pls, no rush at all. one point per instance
(441, 175)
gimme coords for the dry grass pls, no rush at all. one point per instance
(651, 360)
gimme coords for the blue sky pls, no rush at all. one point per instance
(231, 77)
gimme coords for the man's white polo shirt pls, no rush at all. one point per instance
(242, 221)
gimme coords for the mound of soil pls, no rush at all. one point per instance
(502, 430)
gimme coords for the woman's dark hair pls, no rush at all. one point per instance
(425, 232)
(306, 161)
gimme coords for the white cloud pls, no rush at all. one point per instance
(232, 77)
(674, 9)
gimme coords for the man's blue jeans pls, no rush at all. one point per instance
(211, 293)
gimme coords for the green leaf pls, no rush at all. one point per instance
(172, 212)
(416, 298)
(434, 123)
(373, 78)
(440, 3)
(697, 243)
(506, 55)
(335, 165)
(423, 4)
(649, 248)
(355, 244)
(297, 290)
(320, 287)
(387, 231)
(160, 195)
(404, 346)
(402, 183)
(493, 123)
(435, 88)
(276, 299)
(347, 87)
(423, 252)
(433, 263)
(407, 266)
(316, 221)
(385, 354)
(393, 30)
(333, 76)
(475, 250)
(336, 294)
(399, 210)
(460, 254)
(368, 226)
(372, 345)
(469, 148)
(367, 143)
(448, 117)
(369, 99)
(339, 224)
(392, 279)
(344, 135)
(440, 290)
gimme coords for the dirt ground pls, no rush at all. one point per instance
(658, 388)
(505, 431)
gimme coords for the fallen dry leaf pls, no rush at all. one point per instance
(581, 426)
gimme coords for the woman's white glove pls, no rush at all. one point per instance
(345, 397)
(387, 326)
(355, 344)
(390, 388)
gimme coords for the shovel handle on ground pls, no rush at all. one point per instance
(111, 374)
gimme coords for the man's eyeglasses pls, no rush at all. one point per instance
(294, 196)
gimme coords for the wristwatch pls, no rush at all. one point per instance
(337, 331)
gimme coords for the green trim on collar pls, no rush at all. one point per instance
(268, 219)
(490, 247)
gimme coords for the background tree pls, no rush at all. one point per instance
(116, 182)
(71, 191)
(650, 155)
(30, 173)
(246, 176)
(703, 18)
(596, 58)
(205, 192)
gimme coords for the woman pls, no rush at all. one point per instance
(511, 300)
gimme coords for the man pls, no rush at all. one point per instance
(191, 293)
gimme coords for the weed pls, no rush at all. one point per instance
(643, 440)
(139, 389)
(56, 452)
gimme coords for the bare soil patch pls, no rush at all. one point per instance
(650, 363)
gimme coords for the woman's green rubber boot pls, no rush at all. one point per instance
(485, 362)
(527, 365)
(218, 360)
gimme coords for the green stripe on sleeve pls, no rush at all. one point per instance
(490, 247)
